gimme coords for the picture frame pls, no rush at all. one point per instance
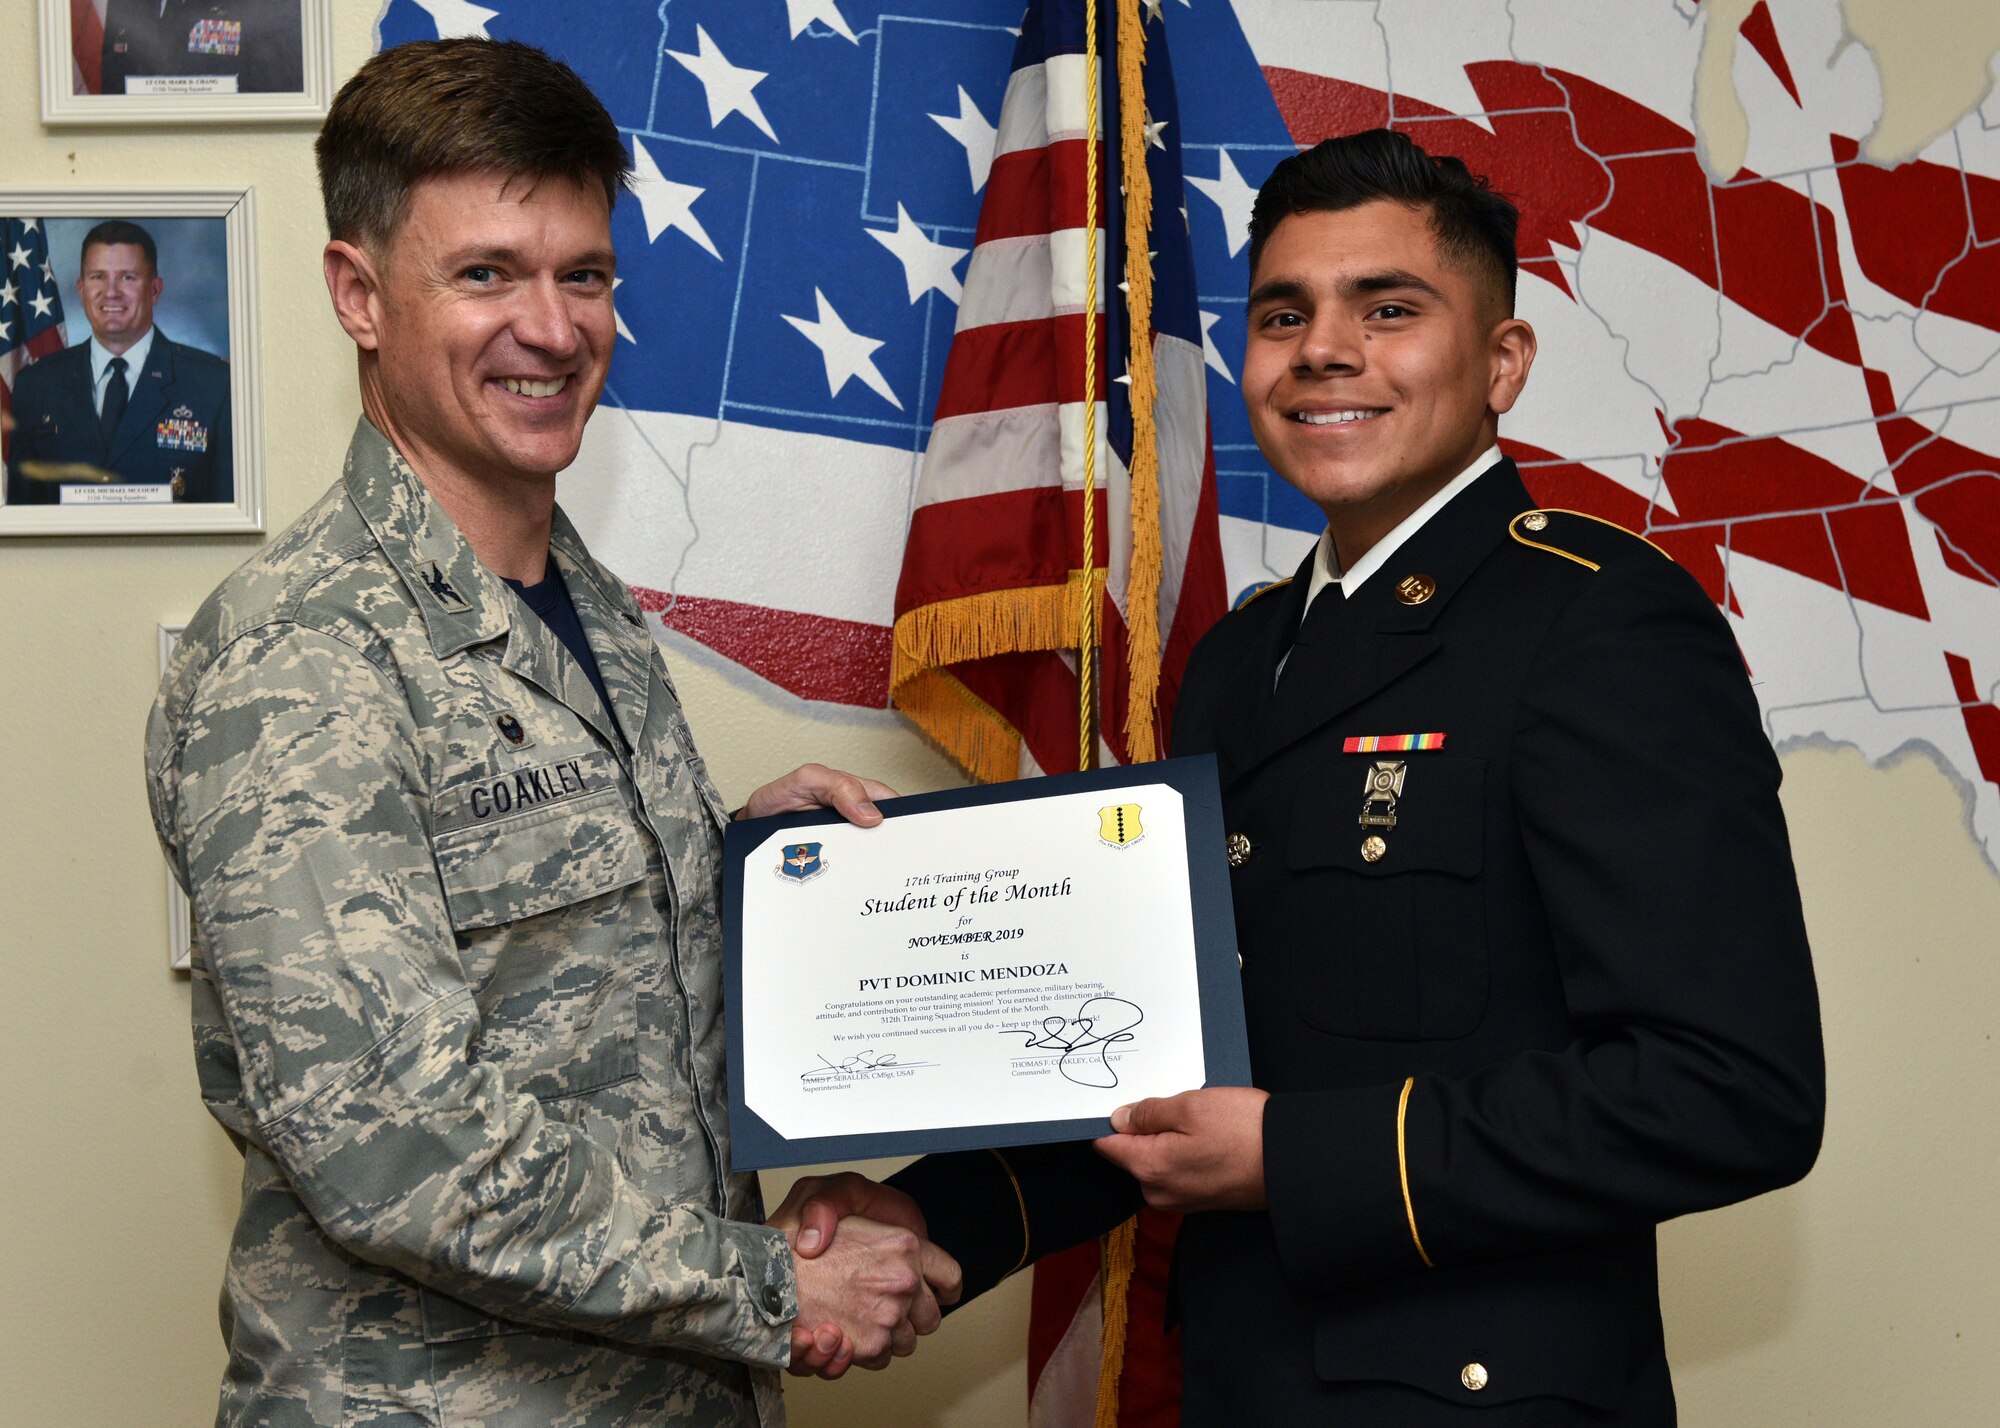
(184, 453)
(235, 62)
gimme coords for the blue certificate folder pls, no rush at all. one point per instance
(756, 1145)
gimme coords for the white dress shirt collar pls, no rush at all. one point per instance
(1326, 563)
(100, 365)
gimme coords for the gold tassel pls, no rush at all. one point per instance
(1115, 1273)
(1142, 591)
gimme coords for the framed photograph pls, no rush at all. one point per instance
(180, 913)
(185, 61)
(128, 363)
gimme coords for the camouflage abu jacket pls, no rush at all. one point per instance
(457, 992)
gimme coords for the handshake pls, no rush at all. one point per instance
(869, 1279)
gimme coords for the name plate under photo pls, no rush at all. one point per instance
(990, 966)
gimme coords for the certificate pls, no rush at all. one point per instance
(988, 966)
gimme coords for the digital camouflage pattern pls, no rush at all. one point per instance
(457, 992)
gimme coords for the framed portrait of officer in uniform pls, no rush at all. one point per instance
(127, 61)
(128, 363)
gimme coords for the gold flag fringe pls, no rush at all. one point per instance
(972, 731)
(993, 622)
(972, 627)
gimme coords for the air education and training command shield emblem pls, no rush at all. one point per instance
(802, 862)
(1118, 826)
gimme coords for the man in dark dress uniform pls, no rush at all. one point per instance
(128, 405)
(1523, 962)
(257, 43)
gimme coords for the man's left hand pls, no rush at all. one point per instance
(1200, 1150)
(817, 786)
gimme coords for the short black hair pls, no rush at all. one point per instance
(122, 230)
(1474, 224)
(466, 105)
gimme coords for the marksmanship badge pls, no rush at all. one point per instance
(1383, 787)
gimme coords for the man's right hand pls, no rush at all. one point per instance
(864, 1283)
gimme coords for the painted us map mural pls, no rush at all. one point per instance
(1789, 378)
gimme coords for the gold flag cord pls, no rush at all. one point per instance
(1086, 615)
(1142, 589)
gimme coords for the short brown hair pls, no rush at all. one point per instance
(457, 106)
(1472, 222)
(113, 231)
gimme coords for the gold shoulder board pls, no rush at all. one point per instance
(1530, 524)
(1257, 595)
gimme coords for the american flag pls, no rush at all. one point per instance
(86, 37)
(1783, 377)
(984, 609)
(985, 646)
(31, 311)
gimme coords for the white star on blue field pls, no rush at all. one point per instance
(807, 183)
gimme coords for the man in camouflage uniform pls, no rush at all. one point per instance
(457, 965)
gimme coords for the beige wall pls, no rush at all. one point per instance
(1866, 1296)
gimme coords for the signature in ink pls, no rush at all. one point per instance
(862, 1063)
(1086, 1039)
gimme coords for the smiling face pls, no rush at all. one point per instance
(118, 288)
(491, 328)
(1376, 368)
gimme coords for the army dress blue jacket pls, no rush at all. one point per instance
(1544, 989)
